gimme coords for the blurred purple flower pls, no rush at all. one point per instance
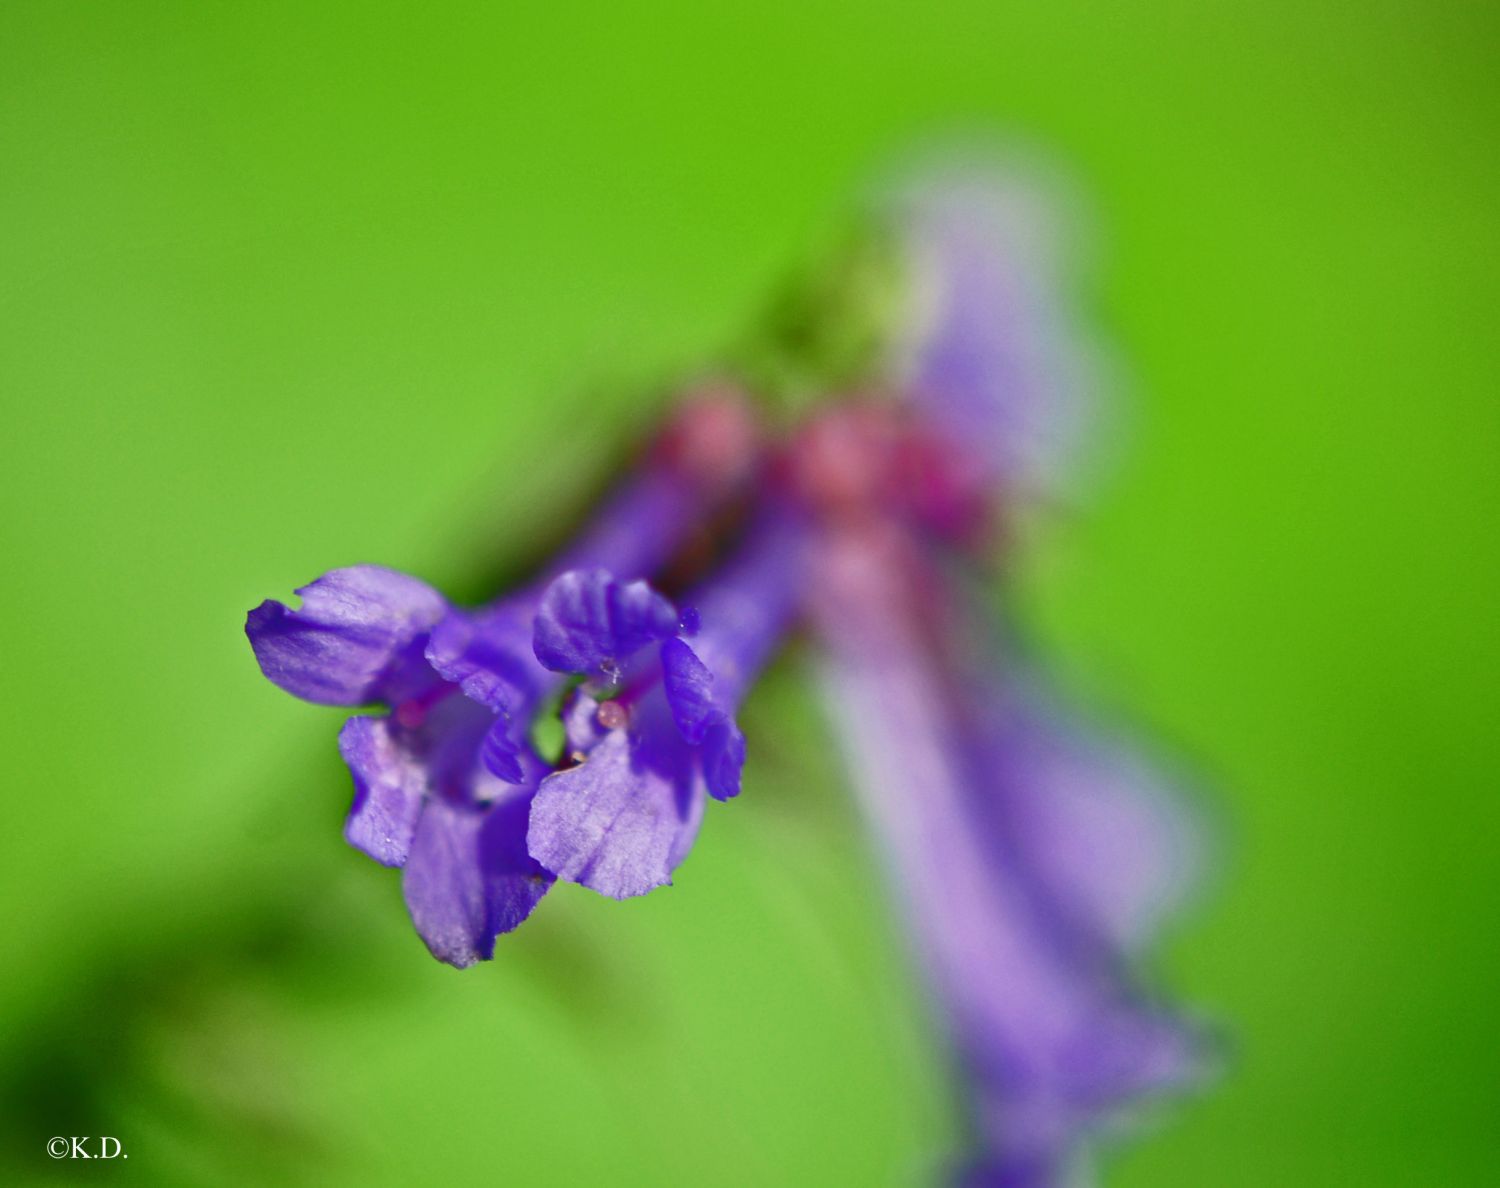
(1029, 863)
(1032, 863)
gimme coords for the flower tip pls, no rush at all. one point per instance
(723, 760)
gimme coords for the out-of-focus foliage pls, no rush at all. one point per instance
(286, 288)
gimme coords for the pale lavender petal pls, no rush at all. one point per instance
(616, 823)
(590, 623)
(1112, 841)
(357, 638)
(389, 784)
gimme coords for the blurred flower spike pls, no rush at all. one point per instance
(913, 398)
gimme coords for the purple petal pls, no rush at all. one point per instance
(469, 877)
(357, 637)
(1051, 1023)
(689, 691)
(689, 687)
(1017, 1171)
(1106, 836)
(488, 654)
(590, 623)
(389, 784)
(723, 758)
(614, 824)
(501, 754)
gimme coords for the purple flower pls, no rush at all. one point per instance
(658, 732)
(444, 780)
(1031, 865)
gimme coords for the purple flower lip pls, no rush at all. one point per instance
(356, 639)
(624, 816)
(590, 624)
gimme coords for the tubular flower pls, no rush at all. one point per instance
(1032, 863)
(444, 778)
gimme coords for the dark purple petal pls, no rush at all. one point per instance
(1017, 1171)
(389, 783)
(470, 878)
(514, 881)
(500, 753)
(590, 623)
(618, 823)
(723, 758)
(689, 688)
(357, 638)
(689, 691)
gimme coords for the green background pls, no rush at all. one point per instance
(285, 288)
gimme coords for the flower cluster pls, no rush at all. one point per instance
(1032, 860)
(449, 782)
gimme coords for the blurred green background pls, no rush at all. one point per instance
(287, 287)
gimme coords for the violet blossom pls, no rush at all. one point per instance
(1028, 865)
(445, 778)
(1032, 863)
